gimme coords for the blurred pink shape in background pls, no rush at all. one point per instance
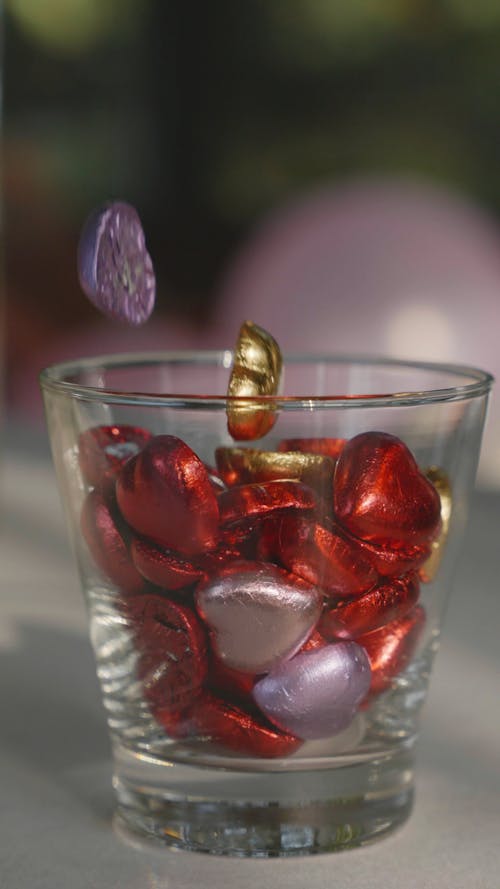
(392, 268)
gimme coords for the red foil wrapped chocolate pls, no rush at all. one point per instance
(232, 685)
(106, 536)
(215, 479)
(381, 496)
(387, 602)
(391, 648)
(163, 567)
(267, 546)
(395, 559)
(248, 504)
(234, 545)
(103, 450)
(172, 646)
(325, 557)
(237, 730)
(315, 641)
(328, 447)
(165, 494)
(199, 668)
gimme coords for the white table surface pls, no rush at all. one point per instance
(56, 799)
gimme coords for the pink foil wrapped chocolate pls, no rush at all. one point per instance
(257, 614)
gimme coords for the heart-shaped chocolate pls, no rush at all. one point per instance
(165, 493)
(105, 533)
(395, 559)
(258, 614)
(172, 651)
(256, 371)
(391, 648)
(325, 557)
(163, 567)
(387, 602)
(217, 721)
(114, 268)
(317, 693)
(381, 496)
(247, 504)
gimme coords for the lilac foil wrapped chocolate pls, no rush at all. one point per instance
(114, 268)
(317, 693)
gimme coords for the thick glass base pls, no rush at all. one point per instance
(263, 814)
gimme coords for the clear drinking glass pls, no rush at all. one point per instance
(197, 762)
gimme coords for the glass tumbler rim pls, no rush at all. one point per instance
(59, 379)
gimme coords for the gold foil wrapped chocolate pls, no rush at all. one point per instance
(239, 466)
(256, 371)
(441, 482)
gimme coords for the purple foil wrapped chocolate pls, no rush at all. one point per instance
(114, 268)
(317, 693)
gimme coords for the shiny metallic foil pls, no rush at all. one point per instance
(257, 614)
(442, 484)
(257, 369)
(239, 466)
